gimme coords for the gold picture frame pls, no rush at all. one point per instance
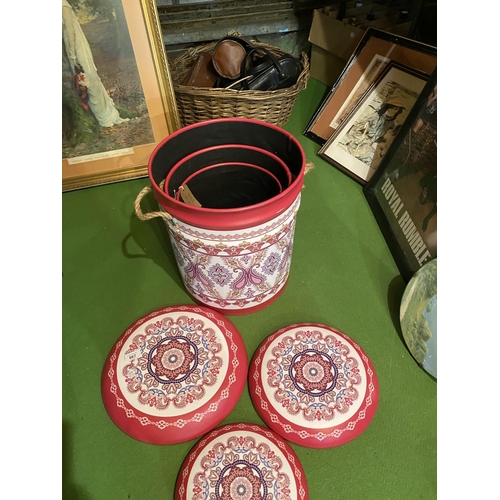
(122, 160)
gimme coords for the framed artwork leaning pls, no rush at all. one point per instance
(364, 135)
(117, 96)
(403, 191)
(374, 52)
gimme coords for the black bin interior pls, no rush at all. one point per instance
(233, 185)
(222, 132)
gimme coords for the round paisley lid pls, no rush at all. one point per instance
(174, 374)
(313, 385)
(241, 461)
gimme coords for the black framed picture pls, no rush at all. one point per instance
(402, 193)
(374, 51)
(362, 139)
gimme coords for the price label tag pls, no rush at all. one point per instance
(188, 197)
(131, 356)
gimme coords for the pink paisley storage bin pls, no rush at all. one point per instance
(234, 260)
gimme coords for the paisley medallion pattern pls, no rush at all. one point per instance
(242, 466)
(172, 365)
(235, 269)
(313, 375)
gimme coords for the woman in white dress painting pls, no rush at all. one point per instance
(80, 58)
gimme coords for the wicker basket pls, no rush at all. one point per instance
(197, 104)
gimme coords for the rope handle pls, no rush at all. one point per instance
(150, 215)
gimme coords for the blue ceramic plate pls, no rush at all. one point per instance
(418, 316)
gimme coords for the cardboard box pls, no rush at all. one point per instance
(333, 41)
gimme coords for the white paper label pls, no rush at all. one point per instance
(131, 356)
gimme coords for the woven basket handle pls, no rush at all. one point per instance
(150, 215)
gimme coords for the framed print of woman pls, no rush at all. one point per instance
(83, 67)
(120, 42)
(106, 110)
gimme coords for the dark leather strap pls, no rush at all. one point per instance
(270, 61)
(245, 71)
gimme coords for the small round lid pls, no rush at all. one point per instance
(313, 385)
(174, 374)
(241, 461)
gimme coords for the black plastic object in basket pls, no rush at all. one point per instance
(270, 72)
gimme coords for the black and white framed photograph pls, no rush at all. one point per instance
(368, 59)
(364, 136)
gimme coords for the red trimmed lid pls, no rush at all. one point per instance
(241, 461)
(174, 374)
(313, 385)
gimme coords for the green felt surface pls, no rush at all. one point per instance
(117, 268)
